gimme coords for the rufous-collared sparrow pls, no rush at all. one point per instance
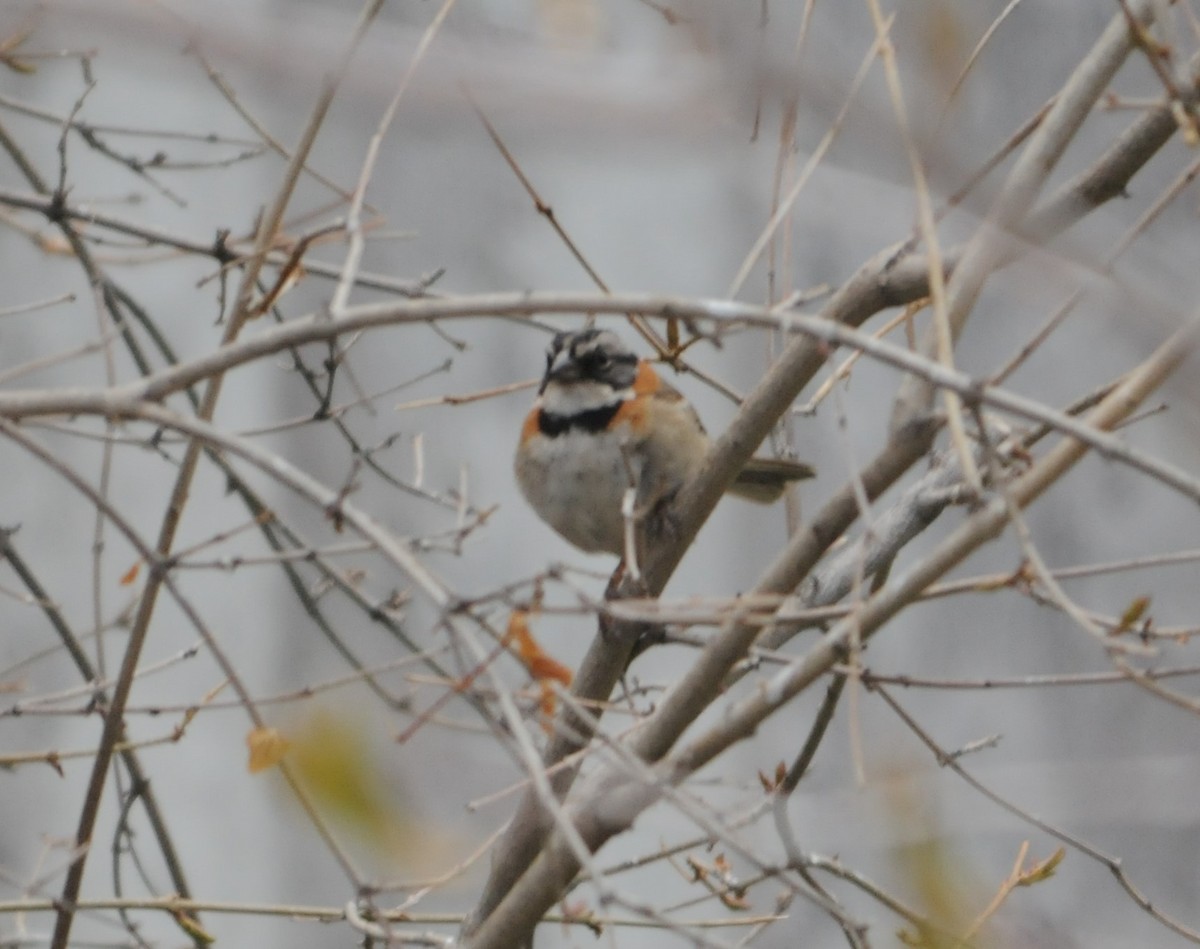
(605, 421)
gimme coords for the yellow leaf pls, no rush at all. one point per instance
(349, 778)
(131, 574)
(14, 42)
(193, 928)
(267, 748)
(21, 66)
(9, 43)
(1133, 612)
(333, 760)
(1042, 871)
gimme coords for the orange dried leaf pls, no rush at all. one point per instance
(545, 669)
(131, 574)
(546, 705)
(541, 666)
(267, 748)
(518, 628)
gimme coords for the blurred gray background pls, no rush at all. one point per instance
(641, 136)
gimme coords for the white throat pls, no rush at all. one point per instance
(584, 396)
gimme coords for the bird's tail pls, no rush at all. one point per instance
(763, 479)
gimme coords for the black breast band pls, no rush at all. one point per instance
(591, 420)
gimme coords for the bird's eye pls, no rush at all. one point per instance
(594, 361)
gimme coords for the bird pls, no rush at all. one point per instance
(605, 421)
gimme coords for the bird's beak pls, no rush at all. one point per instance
(559, 368)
